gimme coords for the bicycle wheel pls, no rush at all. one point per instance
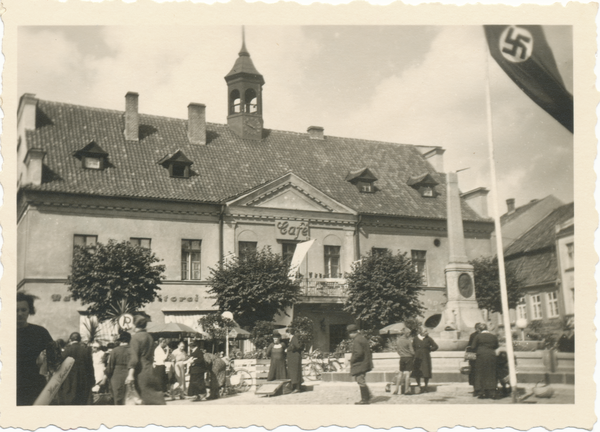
(335, 366)
(315, 371)
(241, 381)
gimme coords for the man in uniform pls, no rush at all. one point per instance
(361, 362)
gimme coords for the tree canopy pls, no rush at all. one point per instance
(384, 289)
(254, 288)
(106, 276)
(487, 285)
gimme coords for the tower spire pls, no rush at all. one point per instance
(244, 51)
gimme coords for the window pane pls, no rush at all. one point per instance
(190, 259)
(78, 240)
(420, 264)
(246, 248)
(287, 251)
(332, 261)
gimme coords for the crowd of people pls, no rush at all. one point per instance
(133, 369)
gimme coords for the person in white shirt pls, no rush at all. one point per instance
(160, 355)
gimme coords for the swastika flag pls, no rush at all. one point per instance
(523, 53)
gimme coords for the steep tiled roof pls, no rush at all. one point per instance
(541, 235)
(227, 166)
(533, 255)
(507, 217)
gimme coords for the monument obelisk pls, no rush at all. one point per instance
(461, 312)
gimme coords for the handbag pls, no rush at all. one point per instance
(131, 395)
(470, 356)
(465, 368)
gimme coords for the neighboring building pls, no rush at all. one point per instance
(517, 220)
(195, 192)
(543, 261)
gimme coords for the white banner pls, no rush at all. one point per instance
(299, 254)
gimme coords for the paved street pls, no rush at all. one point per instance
(347, 393)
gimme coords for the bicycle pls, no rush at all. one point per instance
(236, 380)
(319, 364)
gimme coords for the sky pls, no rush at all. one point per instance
(422, 85)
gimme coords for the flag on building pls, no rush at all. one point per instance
(298, 257)
(523, 53)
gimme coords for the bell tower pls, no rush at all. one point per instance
(244, 96)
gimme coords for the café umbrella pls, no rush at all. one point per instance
(174, 330)
(392, 329)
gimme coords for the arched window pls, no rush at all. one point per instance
(250, 101)
(247, 244)
(234, 102)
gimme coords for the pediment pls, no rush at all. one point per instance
(290, 192)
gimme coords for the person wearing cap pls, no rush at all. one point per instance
(141, 361)
(77, 387)
(361, 362)
(276, 352)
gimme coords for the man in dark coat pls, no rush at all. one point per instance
(361, 362)
(77, 388)
(294, 361)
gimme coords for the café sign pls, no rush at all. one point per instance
(291, 230)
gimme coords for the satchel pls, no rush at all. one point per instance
(470, 356)
(131, 395)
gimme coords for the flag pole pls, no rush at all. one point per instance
(498, 230)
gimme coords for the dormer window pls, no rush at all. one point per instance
(177, 164)
(363, 179)
(92, 162)
(424, 184)
(92, 156)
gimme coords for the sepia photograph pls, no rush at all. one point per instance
(214, 217)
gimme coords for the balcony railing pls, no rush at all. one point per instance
(328, 287)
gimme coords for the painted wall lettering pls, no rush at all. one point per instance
(292, 230)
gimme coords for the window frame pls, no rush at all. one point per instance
(286, 255)
(417, 261)
(187, 253)
(521, 311)
(536, 307)
(243, 247)
(328, 256)
(553, 306)
(139, 240)
(85, 237)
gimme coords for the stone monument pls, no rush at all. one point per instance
(461, 312)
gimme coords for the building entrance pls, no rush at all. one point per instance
(337, 333)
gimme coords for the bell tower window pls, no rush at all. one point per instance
(250, 101)
(235, 102)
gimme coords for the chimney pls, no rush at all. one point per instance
(26, 113)
(436, 158)
(132, 121)
(34, 163)
(510, 203)
(197, 123)
(315, 132)
(477, 200)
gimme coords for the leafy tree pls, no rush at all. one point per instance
(384, 289)
(254, 288)
(262, 334)
(216, 326)
(106, 276)
(487, 284)
(303, 326)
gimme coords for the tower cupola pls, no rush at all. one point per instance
(244, 96)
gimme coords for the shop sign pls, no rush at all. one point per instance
(291, 230)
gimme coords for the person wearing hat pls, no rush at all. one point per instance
(141, 372)
(294, 361)
(276, 352)
(361, 362)
(77, 387)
